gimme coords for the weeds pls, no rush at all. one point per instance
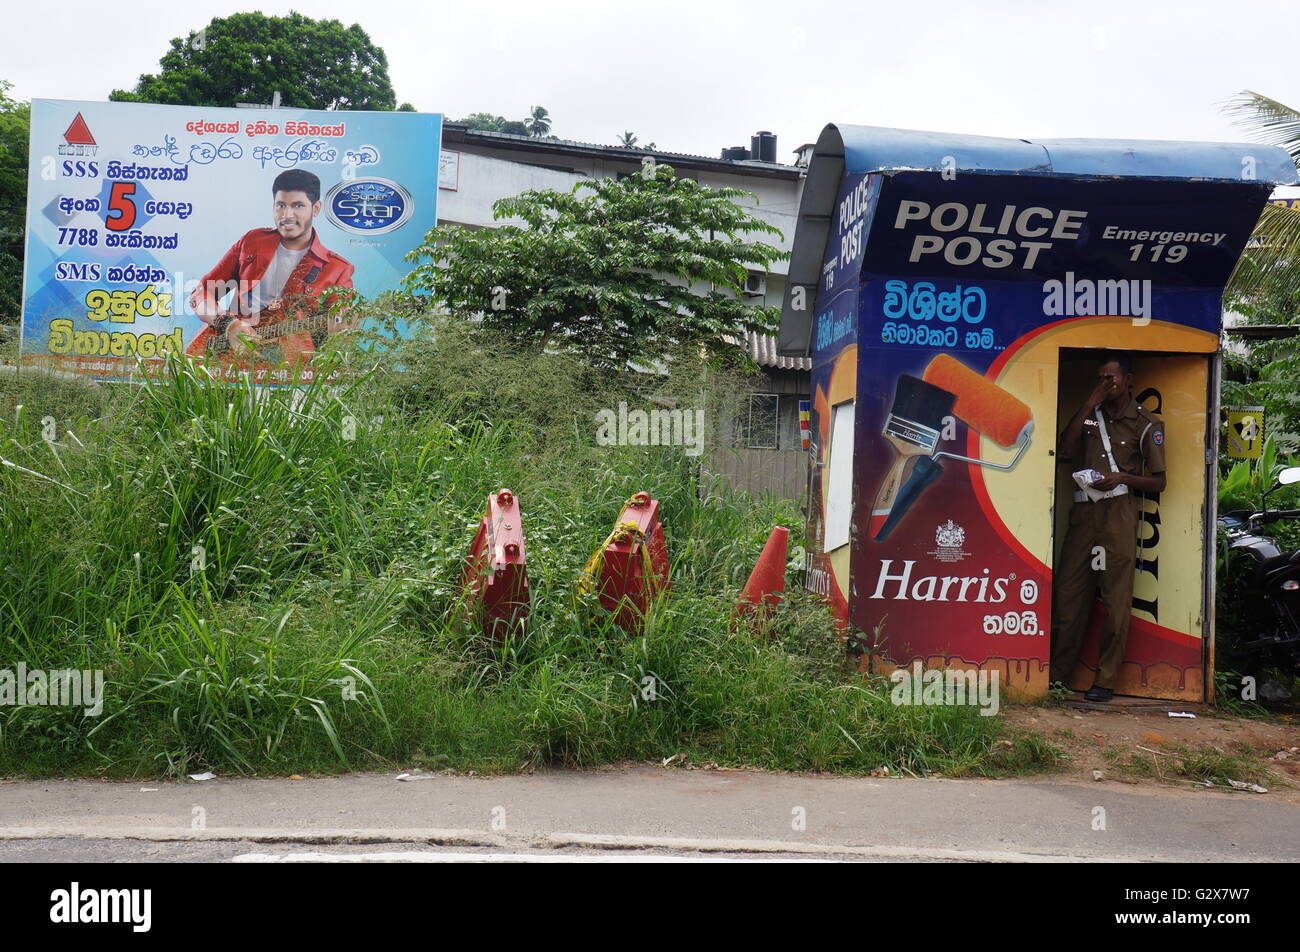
(1204, 765)
(267, 580)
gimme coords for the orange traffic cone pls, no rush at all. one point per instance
(767, 582)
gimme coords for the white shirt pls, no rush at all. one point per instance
(274, 279)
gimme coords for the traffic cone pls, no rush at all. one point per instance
(767, 582)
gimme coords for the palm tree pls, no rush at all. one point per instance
(538, 121)
(1265, 287)
(1271, 262)
(628, 140)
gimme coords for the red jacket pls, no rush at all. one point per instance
(247, 260)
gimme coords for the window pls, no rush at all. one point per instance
(838, 505)
(762, 427)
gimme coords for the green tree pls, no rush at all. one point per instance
(607, 275)
(1266, 372)
(15, 130)
(1265, 288)
(11, 288)
(538, 121)
(487, 122)
(248, 57)
(628, 140)
(15, 125)
(1271, 263)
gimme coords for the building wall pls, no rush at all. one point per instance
(488, 173)
(781, 473)
(484, 179)
(781, 470)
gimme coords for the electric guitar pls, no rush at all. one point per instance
(262, 337)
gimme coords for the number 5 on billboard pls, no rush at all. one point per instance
(121, 207)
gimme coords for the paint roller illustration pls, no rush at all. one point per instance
(915, 423)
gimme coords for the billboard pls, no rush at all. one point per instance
(230, 235)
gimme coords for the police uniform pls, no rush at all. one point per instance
(1137, 439)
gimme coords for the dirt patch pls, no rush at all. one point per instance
(1147, 747)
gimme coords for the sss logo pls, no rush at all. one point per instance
(369, 206)
(80, 169)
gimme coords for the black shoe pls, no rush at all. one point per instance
(1098, 694)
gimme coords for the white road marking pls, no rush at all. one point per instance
(435, 856)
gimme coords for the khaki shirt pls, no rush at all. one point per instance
(1136, 435)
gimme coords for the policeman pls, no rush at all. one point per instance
(1124, 442)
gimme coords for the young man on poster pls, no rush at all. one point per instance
(276, 274)
(1125, 444)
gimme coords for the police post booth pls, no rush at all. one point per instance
(954, 293)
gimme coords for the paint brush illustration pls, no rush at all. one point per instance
(975, 400)
(913, 427)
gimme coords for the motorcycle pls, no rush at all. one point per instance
(1262, 585)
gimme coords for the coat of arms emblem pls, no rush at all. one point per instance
(949, 535)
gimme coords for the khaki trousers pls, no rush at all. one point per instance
(1100, 551)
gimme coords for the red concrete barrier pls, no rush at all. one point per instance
(495, 579)
(630, 569)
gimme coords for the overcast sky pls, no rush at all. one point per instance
(700, 75)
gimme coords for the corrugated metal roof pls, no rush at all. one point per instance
(617, 151)
(762, 347)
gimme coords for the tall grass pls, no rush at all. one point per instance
(268, 581)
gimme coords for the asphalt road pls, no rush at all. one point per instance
(648, 813)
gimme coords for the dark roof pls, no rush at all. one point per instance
(1263, 331)
(455, 132)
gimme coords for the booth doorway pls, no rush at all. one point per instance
(1166, 654)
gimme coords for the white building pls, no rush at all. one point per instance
(478, 168)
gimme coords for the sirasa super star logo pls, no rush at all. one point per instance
(369, 206)
(77, 139)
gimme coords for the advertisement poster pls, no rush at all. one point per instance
(834, 391)
(956, 322)
(1245, 432)
(231, 235)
